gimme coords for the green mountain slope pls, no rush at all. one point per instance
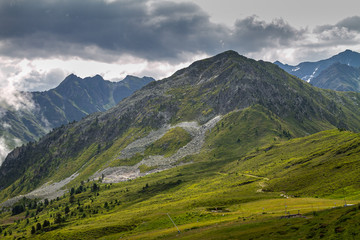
(322, 164)
(339, 77)
(208, 145)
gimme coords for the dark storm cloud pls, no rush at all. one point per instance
(252, 34)
(165, 30)
(95, 29)
(153, 30)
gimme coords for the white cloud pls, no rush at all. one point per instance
(10, 98)
(4, 149)
(10, 79)
(43, 74)
(4, 146)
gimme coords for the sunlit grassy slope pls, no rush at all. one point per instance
(169, 143)
(233, 189)
(323, 164)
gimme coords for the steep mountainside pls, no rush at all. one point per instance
(309, 70)
(224, 146)
(199, 94)
(72, 100)
(339, 77)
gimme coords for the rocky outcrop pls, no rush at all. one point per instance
(158, 162)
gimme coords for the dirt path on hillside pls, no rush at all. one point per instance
(262, 184)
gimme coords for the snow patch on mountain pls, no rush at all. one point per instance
(308, 78)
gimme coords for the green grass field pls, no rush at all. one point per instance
(138, 209)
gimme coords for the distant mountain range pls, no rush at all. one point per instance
(72, 100)
(341, 80)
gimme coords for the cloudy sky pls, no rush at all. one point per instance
(42, 41)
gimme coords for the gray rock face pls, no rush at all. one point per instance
(123, 173)
(48, 190)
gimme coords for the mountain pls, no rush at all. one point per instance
(205, 90)
(309, 70)
(339, 77)
(212, 145)
(72, 100)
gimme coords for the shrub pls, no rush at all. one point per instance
(46, 223)
(38, 227)
(17, 209)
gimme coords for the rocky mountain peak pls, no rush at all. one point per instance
(68, 80)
